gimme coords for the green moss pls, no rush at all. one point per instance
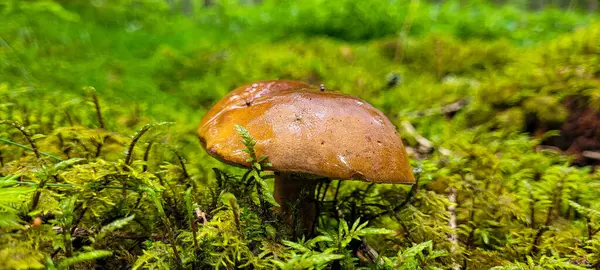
(104, 202)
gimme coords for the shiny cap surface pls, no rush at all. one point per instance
(304, 130)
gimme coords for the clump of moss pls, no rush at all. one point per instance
(93, 180)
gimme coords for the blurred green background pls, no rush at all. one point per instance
(186, 54)
(170, 60)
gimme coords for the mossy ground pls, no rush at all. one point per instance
(105, 199)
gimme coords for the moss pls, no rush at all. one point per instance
(104, 202)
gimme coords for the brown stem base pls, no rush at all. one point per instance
(295, 195)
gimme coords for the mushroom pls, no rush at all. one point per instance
(307, 134)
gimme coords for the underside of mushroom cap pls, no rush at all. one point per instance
(304, 130)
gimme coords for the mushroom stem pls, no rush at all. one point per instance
(295, 195)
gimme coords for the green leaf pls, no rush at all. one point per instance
(67, 163)
(117, 224)
(67, 206)
(8, 180)
(484, 236)
(247, 138)
(155, 199)
(30, 149)
(83, 257)
(355, 225)
(415, 250)
(14, 194)
(265, 190)
(343, 228)
(296, 246)
(374, 231)
(38, 136)
(321, 238)
(320, 259)
(585, 210)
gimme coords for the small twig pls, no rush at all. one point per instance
(97, 105)
(445, 109)
(138, 135)
(186, 175)
(548, 148)
(136, 138)
(591, 154)
(371, 254)
(69, 118)
(99, 146)
(536, 239)
(25, 133)
(425, 145)
(146, 156)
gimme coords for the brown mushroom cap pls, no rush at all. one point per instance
(303, 130)
(246, 94)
